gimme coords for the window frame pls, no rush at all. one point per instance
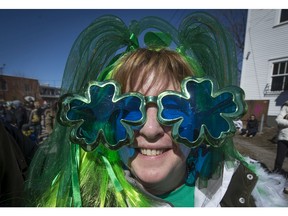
(279, 63)
(278, 21)
(280, 15)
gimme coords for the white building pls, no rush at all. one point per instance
(265, 59)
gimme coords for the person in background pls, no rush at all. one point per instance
(2, 112)
(140, 126)
(282, 141)
(35, 119)
(27, 145)
(238, 124)
(251, 127)
(16, 154)
(20, 114)
(12, 168)
(28, 131)
(49, 115)
(9, 114)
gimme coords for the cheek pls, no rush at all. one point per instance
(180, 149)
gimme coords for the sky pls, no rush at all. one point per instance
(35, 43)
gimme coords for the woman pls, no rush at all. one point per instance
(145, 127)
(251, 127)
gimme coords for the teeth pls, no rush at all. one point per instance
(151, 152)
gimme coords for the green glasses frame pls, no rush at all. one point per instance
(200, 112)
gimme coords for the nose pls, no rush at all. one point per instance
(152, 129)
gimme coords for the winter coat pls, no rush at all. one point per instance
(282, 123)
(12, 171)
(252, 126)
(238, 187)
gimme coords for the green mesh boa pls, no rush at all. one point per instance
(63, 175)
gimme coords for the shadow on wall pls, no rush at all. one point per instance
(283, 96)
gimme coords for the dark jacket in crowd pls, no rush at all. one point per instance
(252, 126)
(15, 155)
(21, 116)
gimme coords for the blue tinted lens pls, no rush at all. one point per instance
(127, 109)
(177, 107)
(197, 109)
(208, 108)
(104, 116)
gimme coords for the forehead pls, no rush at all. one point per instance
(148, 70)
(152, 85)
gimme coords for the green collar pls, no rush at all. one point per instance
(181, 197)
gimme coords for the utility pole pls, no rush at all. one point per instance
(2, 69)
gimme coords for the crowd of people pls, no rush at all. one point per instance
(23, 127)
(250, 129)
(30, 117)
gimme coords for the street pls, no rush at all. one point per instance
(260, 147)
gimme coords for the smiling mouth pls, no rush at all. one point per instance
(152, 152)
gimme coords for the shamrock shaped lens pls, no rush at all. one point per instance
(103, 115)
(199, 112)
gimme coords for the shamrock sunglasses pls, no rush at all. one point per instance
(199, 112)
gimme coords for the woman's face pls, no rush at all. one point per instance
(159, 163)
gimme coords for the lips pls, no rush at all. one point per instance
(151, 152)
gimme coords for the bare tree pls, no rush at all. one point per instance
(235, 21)
(236, 25)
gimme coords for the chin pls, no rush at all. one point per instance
(151, 177)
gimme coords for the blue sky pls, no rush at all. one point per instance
(36, 43)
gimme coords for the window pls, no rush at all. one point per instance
(284, 15)
(280, 76)
(27, 88)
(3, 85)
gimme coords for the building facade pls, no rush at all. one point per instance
(20, 88)
(265, 60)
(17, 88)
(49, 94)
